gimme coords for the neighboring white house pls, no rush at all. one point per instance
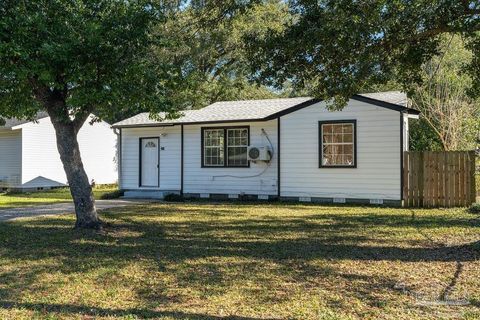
(353, 155)
(29, 158)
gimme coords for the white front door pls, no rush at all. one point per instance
(149, 162)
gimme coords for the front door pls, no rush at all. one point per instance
(149, 176)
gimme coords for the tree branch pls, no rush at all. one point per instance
(81, 117)
(440, 29)
(52, 101)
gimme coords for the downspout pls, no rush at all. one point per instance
(401, 156)
(279, 193)
(118, 132)
(181, 160)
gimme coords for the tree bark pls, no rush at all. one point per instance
(80, 188)
(66, 131)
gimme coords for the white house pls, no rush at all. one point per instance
(29, 159)
(278, 148)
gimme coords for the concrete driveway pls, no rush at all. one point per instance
(60, 208)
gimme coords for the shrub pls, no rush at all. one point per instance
(474, 208)
(112, 195)
(173, 197)
(106, 186)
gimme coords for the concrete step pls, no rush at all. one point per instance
(147, 194)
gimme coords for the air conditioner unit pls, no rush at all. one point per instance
(259, 153)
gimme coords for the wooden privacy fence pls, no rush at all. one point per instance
(438, 178)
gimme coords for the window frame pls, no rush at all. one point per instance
(220, 153)
(320, 144)
(225, 147)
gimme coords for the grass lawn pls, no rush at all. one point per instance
(45, 197)
(242, 262)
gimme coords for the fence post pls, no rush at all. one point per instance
(421, 181)
(473, 196)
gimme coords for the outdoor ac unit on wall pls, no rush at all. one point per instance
(259, 153)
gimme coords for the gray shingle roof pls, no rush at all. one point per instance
(395, 97)
(9, 123)
(247, 110)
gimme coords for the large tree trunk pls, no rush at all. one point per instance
(80, 187)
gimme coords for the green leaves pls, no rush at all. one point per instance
(92, 53)
(450, 118)
(336, 48)
(205, 44)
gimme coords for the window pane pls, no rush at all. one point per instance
(237, 144)
(327, 160)
(231, 136)
(349, 160)
(213, 147)
(237, 156)
(348, 149)
(337, 159)
(245, 135)
(337, 144)
(327, 138)
(336, 137)
(327, 150)
(348, 137)
(348, 128)
(337, 128)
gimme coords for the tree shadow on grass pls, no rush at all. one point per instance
(135, 232)
(175, 234)
(275, 239)
(69, 309)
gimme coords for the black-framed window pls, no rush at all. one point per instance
(213, 147)
(338, 147)
(225, 146)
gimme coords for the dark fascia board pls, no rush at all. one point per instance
(384, 104)
(146, 125)
(186, 123)
(292, 109)
(279, 114)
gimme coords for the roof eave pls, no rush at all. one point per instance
(292, 109)
(267, 118)
(276, 115)
(384, 104)
(152, 125)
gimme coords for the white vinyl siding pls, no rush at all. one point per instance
(259, 178)
(170, 155)
(10, 158)
(377, 175)
(40, 156)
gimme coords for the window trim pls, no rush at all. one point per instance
(320, 144)
(225, 147)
